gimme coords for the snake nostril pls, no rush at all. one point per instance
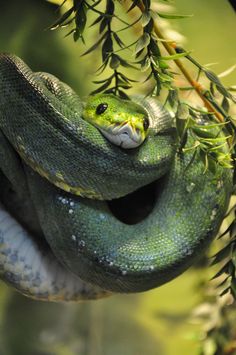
(145, 123)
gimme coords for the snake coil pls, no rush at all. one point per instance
(58, 173)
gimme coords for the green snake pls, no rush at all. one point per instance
(65, 164)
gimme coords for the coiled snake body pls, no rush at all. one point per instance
(58, 172)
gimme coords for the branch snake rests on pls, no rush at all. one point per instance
(63, 160)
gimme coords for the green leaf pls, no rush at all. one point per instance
(224, 282)
(212, 88)
(110, 7)
(182, 112)
(211, 125)
(146, 17)
(145, 64)
(62, 4)
(181, 119)
(114, 62)
(125, 64)
(225, 104)
(103, 81)
(165, 77)
(233, 254)
(232, 88)
(125, 78)
(202, 111)
(233, 286)
(154, 48)
(134, 3)
(142, 42)
(219, 86)
(227, 71)
(215, 140)
(155, 63)
(163, 64)
(70, 32)
(102, 67)
(203, 132)
(81, 19)
(139, 53)
(101, 88)
(77, 4)
(172, 97)
(126, 87)
(93, 47)
(62, 19)
(103, 24)
(173, 16)
(76, 34)
(186, 88)
(107, 47)
(216, 149)
(123, 95)
(226, 269)
(110, 91)
(148, 78)
(98, 19)
(118, 40)
(175, 56)
(222, 254)
(225, 291)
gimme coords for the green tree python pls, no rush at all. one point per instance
(63, 163)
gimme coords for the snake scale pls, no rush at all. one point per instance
(64, 162)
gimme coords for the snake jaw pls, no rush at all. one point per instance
(125, 136)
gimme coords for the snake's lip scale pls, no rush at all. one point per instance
(124, 136)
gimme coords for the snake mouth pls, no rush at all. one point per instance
(124, 136)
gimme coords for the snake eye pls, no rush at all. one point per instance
(101, 108)
(145, 123)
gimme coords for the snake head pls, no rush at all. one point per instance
(123, 122)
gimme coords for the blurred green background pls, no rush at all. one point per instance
(152, 323)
